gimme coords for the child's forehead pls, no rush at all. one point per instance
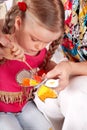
(40, 32)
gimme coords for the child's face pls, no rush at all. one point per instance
(32, 37)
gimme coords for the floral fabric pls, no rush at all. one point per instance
(75, 38)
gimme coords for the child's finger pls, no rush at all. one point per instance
(17, 52)
(20, 57)
(1, 53)
(15, 48)
(5, 41)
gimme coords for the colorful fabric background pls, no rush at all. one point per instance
(75, 38)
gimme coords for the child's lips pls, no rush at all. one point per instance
(34, 51)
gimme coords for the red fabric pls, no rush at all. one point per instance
(8, 82)
(41, 72)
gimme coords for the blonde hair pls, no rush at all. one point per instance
(50, 13)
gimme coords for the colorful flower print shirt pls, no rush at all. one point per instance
(75, 37)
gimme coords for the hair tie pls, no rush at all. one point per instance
(22, 6)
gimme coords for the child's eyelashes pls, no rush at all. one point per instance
(34, 39)
(37, 40)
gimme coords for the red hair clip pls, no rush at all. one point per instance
(22, 6)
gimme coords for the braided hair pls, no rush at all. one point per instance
(49, 12)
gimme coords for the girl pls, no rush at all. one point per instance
(29, 27)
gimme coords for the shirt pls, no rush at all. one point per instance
(13, 96)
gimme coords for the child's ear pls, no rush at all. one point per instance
(18, 22)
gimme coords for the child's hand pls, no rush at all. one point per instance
(18, 52)
(62, 71)
(14, 53)
(4, 43)
(10, 50)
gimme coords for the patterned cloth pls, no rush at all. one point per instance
(75, 38)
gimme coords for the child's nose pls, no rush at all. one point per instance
(40, 46)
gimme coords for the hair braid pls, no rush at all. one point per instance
(52, 48)
(8, 27)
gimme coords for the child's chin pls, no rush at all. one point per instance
(32, 53)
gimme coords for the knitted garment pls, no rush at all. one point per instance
(13, 96)
(75, 38)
